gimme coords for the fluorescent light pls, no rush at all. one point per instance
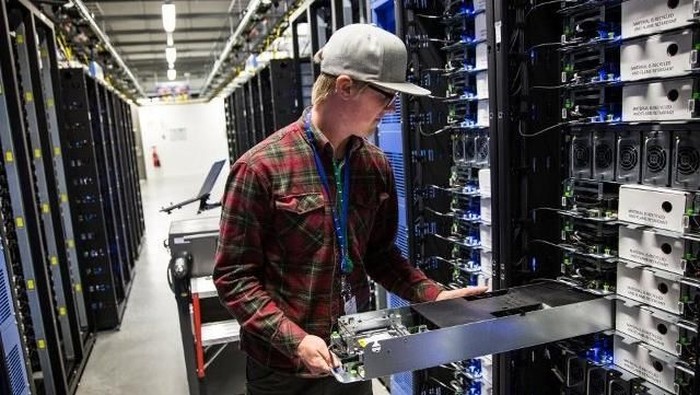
(170, 54)
(168, 10)
(172, 74)
(169, 40)
(171, 65)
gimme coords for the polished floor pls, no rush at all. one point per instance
(145, 355)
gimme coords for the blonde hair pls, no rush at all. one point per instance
(325, 85)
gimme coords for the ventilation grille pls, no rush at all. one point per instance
(402, 240)
(629, 157)
(396, 161)
(581, 154)
(603, 155)
(16, 369)
(688, 160)
(656, 159)
(5, 300)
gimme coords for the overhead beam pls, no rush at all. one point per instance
(161, 52)
(151, 42)
(189, 59)
(183, 30)
(158, 17)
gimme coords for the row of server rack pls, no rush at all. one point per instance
(271, 98)
(70, 205)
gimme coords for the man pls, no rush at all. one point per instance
(309, 213)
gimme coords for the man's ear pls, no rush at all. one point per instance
(344, 87)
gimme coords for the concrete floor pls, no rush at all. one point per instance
(145, 355)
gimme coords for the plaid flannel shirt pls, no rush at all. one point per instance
(277, 267)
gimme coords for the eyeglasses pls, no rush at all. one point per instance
(390, 97)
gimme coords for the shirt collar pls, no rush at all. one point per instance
(322, 143)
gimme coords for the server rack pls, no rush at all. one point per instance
(231, 135)
(255, 108)
(615, 93)
(36, 214)
(265, 103)
(285, 108)
(101, 261)
(14, 365)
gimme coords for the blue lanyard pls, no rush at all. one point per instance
(340, 220)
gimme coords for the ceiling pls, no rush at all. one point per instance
(135, 29)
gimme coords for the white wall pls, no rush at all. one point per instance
(188, 138)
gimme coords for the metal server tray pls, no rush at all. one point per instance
(379, 343)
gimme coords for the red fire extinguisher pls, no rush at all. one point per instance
(156, 159)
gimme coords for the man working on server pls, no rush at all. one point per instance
(309, 213)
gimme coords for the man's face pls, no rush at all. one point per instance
(372, 104)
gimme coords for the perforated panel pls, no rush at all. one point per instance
(16, 369)
(5, 299)
(396, 161)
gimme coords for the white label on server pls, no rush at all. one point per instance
(658, 56)
(486, 209)
(643, 286)
(650, 248)
(482, 56)
(480, 27)
(657, 207)
(657, 101)
(641, 17)
(482, 85)
(482, 113)
(647, 327)
(639, 361)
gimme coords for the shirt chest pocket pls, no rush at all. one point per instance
(300, 223)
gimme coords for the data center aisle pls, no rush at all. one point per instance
(145, 355)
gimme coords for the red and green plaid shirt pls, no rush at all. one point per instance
(277, 266)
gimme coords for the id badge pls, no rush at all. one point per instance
(350, 305)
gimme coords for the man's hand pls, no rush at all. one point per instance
(461, 293)
(315, 355)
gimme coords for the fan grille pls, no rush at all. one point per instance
(656, 159)
(688, 160)
(581, 154)
(603, 156)
(629, 157)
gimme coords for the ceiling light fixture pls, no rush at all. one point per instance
(172, 74)
(169, 16)
(169, 39)
(170, 54)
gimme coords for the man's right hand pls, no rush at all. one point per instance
(315, 355)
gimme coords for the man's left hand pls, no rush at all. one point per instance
(461, 293)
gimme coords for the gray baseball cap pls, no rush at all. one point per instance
(370, 54)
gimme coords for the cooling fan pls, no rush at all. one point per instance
(482, 149)
(580, 154)
(687, 160)
(656, 159)
(469, 148)
(603, 155)
(629, 157)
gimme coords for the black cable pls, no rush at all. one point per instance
(439, 213)
(552, 87)
(435, 133)
(556, 126)
(542, 45)
(546, 3)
